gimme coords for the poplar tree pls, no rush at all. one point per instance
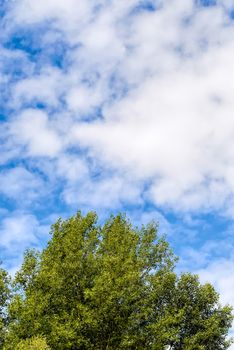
(112, 286)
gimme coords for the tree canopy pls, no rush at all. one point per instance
(110, 286)
(34, 343)
(4, 299)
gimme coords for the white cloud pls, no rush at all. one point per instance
(42, 88)
(82, 100)
(106, 193)
(33, 130)
(44, 10)
(178, 129)
(163, 81)
(18, 183)
(71, 168)
(220, 274)
(20, 231)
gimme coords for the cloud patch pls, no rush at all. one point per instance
(33, 130)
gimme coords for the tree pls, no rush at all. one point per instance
(35, 343)
(4, 299)
(113, 287)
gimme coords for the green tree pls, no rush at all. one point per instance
(4, 299)
(35, 343)
(113, 287)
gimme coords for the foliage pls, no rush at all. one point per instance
(35, 343)
(112, 287)
(4, 299)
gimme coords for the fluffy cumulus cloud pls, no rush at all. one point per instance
(19, 183)
(143, 87)
(120, 105)
(31, 128)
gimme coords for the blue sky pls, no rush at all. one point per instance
(114, 105)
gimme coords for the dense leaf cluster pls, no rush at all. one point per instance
(105, 288)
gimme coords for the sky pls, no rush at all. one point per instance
(120, 106)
